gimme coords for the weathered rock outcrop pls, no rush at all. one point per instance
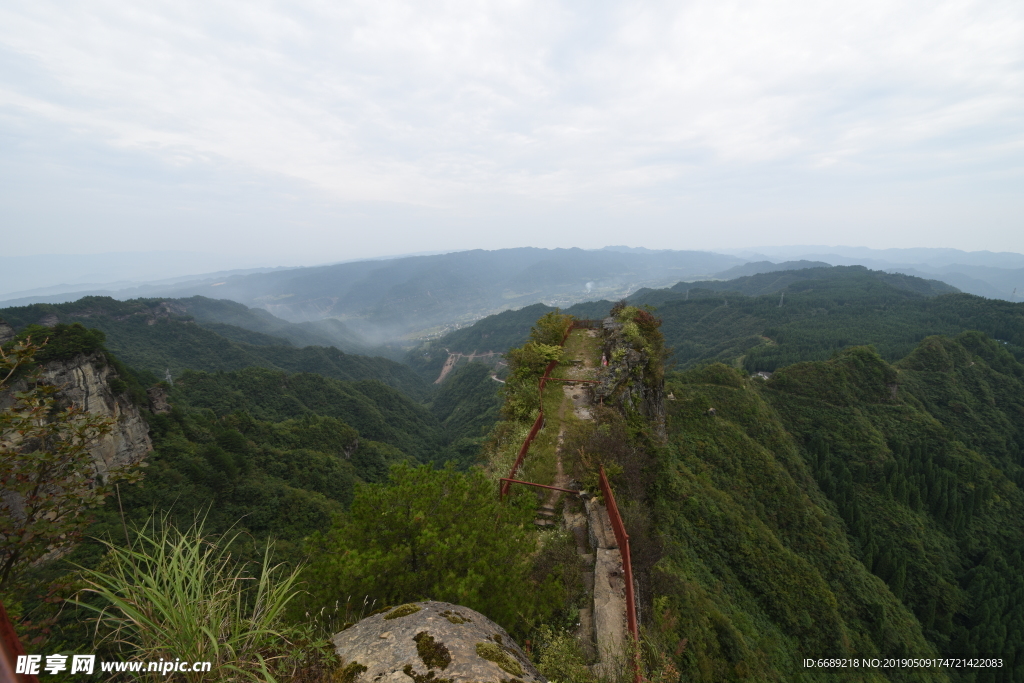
(628, 381)
(431, 642)
(158, 402)
(86, 381)
(6, 331)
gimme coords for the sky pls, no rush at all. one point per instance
(307, 131)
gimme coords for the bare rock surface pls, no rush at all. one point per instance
(6, 331)
(609, 606)
(85, 382)
(431, 642)
(601, 534)
(158, 402)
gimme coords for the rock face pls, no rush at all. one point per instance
(6, 331)
(626, 381)
(85, 381)
(158, 403)
(431, 642)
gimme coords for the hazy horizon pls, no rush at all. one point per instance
(42, 275)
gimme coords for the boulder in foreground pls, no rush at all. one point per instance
(431, 642)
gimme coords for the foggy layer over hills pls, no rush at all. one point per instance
(365, 303)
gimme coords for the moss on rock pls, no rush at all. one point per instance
(403, 611)
(433, 653)
(429, 677)
(493, 652)
(350, 672)
(455, 617)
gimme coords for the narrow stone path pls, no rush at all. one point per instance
(602, 629)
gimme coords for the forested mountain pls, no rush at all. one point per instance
(374, 409)
(387, 299)
(768, 320)
(804, 493)
(812, 317)
(223, 316)
(861, 501)
(780, 279)
(177, 335)
(998, 275)
(755, 267)
(228, 318)
(256, 450)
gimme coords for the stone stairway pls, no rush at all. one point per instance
(546, 516)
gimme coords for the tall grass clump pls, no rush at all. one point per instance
(178, 594)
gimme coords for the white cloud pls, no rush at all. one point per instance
(470, 104)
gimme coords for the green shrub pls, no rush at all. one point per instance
(561, 657)
(433, 534)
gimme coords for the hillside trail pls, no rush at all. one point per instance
(602, 627)
(575, 397)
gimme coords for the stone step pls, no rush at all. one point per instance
(546, 523)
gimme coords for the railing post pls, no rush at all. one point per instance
(10, 648)
(622, 538)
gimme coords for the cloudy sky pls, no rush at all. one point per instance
(312, 131)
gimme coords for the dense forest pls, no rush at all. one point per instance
(766, 321)
(809, 490)
(862, 499)
(157, 335)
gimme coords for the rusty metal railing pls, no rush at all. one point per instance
(622, 539)
(10, 648)
(540, 486)
(506, 483)
(538, 424)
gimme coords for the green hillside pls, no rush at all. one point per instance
(376, 410)
(742, 322)
(780, 279)
(819, 316)
(862, 501)
(843, 508)
(157, 335)
(467, 404)
(805, 493)
(214, 313)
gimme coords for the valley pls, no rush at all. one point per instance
(861, 498)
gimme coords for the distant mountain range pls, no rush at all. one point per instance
(360, 305)
(766, 320)
(416, 296)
